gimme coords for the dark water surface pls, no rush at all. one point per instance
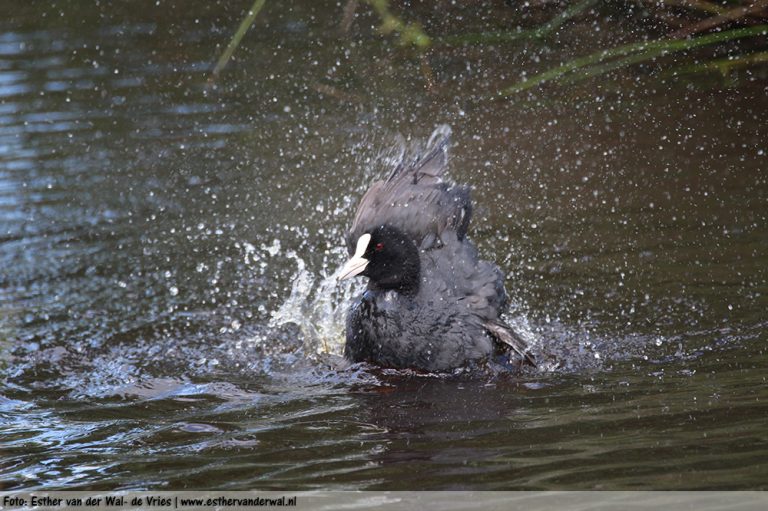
(167, 318)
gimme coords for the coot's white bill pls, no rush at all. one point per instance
(356, 265)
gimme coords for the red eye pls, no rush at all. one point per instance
(378, 247)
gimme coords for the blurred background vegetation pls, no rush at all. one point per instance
(725, 41)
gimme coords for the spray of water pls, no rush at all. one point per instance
(317, 305)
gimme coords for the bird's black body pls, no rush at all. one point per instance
(431, 303)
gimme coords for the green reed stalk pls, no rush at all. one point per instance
(634, 53)
(235, 42)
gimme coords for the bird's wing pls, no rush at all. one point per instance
(477, 285)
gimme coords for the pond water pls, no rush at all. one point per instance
(167, 316)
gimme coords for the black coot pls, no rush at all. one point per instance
(431, 303)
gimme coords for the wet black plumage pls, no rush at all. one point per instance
(431, 302)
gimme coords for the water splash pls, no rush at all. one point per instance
(317, 305)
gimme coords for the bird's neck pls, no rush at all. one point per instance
(405, 280)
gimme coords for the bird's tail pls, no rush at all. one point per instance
(505, 335)
(428, 164)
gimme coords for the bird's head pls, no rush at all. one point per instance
(387, 257)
